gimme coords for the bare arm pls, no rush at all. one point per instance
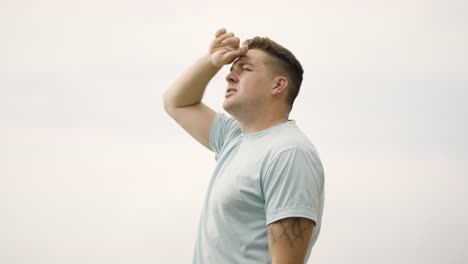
(288, 240)
(182, 101)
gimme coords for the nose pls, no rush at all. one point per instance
(231, 77)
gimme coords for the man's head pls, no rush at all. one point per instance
(281, 62)
(268, 75)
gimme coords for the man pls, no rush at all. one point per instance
(265, 200)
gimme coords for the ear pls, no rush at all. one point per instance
(279, 85)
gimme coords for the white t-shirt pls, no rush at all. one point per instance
(260, 178)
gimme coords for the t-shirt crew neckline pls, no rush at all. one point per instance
(261, 133)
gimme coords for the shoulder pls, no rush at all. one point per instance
(224, 129)
(291, 139)
(291, 145)
(223, 122)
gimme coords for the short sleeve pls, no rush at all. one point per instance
(222, 130)
(293, 185)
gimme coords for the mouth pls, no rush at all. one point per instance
(230, 91)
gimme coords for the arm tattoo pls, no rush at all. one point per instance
(291, 229)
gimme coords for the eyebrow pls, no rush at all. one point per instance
(239, 63)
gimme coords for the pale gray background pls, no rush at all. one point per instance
(93, 171)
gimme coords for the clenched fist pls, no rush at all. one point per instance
(224, 49)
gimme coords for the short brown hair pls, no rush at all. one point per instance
(283, 61)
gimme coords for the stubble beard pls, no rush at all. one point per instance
(230, 107)
(241, 110)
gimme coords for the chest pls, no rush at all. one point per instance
(238, 184)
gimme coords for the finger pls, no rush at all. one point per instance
(230, 56)
(243, 49)
(225, 36)
(220, 32)
(233, 41)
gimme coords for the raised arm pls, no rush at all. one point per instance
(182, 101)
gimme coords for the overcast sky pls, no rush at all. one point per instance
(92, 170)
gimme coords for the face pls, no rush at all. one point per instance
(249, 84)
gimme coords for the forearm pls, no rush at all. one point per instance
(189, 88)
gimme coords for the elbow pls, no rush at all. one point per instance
(167, 103)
